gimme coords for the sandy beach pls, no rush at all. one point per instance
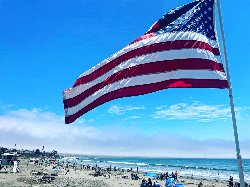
(31, 174)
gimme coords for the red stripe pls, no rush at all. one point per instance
(156, 27)
(149, 68)
(144, 89)
(157, 47)
(143, 37)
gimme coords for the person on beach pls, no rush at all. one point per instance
(176, 174)
(166, 175)
(156, 184)
(161, 176)
(67, 171)
(149, 183)
(173, 175)
(143, 183)
(231, 181)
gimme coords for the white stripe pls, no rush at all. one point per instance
(172, 36)
(148, 79)
(144, 59)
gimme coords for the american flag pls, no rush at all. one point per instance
(179, 51)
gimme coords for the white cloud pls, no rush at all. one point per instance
(118, 110)
(30, 126)
(132, 117)
(35, 128)
(5, 107)
(195, 111)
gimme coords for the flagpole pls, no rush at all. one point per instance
(239, 159)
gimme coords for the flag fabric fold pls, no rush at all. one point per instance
(179, 51)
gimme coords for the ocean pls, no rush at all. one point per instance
(219, 169)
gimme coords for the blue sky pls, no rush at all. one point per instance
(45, 45)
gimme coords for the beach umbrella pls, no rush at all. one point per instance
(170, 182)
(150, 174)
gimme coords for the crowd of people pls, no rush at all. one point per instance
(148, 183)
(164, 176)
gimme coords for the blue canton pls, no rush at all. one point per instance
(199, 19)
